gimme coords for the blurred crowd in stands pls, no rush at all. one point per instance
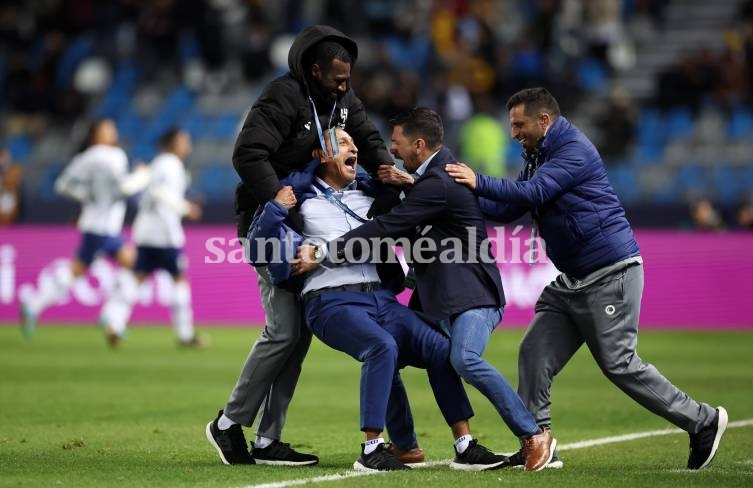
(462, 57)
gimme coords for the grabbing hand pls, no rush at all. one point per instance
(286, 197)
(391, 175)
(462, 174)
(306, 260)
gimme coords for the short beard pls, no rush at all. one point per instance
(323, 96)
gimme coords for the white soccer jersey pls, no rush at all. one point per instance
(162, 206)
(93, 177)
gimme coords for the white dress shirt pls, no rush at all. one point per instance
(324, 220)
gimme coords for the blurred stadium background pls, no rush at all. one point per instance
(663, 87)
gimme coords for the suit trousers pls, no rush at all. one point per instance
(376, 330)
(604, 316)
(270, 373)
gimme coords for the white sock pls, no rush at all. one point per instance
(461, 443)
(261, 442)
(182, 312)
(225, 422)
(371, 445)
(117, 309)
(51, 290)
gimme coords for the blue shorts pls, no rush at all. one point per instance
(150, 259)
(93, 244)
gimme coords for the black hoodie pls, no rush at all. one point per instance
(279, 133)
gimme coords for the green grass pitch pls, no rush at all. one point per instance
(73, 413)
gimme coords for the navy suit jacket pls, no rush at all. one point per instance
(439, 209)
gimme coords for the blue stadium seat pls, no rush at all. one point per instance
(740, 124)
(118, 95)
(196, 124)
(77, 51)
(143, 152)
(225, 126)
(679, 123)
(130, 125)
(46, 190)
(20, 147)
(728, 184)
(625, 183)
(694, 179)
(217, 183)
(648, 153)
(651, 131)
(591, 75)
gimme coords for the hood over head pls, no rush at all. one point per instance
(309, 37)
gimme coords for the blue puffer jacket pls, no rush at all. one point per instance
(578, 213)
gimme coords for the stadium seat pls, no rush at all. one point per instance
(225, 126)
(625, 183)
(591, 75)
(740, 124)
(679, 123)
(196, 124)
(650, 137)
(693, 180)
(728, 184)
(217, 183)
(77, 51)
(20, 147)
(46, 189)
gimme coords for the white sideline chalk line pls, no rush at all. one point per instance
(562, 447)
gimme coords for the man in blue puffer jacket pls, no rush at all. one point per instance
(597, 297)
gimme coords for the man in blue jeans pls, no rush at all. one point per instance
(462, 293)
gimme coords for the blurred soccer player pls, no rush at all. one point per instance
(158, 233)
(94, 178)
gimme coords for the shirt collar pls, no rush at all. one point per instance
(349, 186)
(422, 169)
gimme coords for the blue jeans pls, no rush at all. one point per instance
(469, 334)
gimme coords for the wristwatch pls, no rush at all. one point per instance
(319, 252)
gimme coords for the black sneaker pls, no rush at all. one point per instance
(379, 460)
(517, 461)
(477, 458)
(704, 444)
(230, 443)
(281, 454)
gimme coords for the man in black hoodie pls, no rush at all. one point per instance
(278, 137)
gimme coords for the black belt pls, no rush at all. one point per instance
(362, 287)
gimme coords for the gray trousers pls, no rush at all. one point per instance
(604, 315)
(270, 374)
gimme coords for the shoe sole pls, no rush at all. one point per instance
(211, 440)
(272, 462)
(721, 427)
(552, 447)
(558, 464)
(360, 467)
(422, 464)
(476, 467)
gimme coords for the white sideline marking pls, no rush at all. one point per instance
(562, 447)
(640, 435)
